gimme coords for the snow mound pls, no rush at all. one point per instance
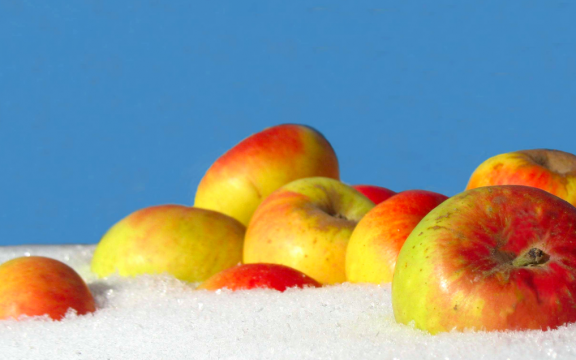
(159, 317)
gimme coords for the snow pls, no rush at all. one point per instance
(159, 317)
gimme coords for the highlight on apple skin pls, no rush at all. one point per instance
(258, 276)
(551, 170)
(490, 258)
(189, 243)
(246, 174)
(306, 225)
(376, 194)
(377, 239)
(37, 285)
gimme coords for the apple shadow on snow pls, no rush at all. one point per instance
(101, 291)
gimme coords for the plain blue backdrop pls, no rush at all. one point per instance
(110, 106)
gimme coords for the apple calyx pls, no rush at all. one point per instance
(532, 257)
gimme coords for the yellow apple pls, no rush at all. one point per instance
(189, 243)
(551, 170)
(306, 225)
(245, 175)
(379, 236)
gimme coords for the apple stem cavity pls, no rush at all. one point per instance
(532, 257)
(340, 216)
(330, 210)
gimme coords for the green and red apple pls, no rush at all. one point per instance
(490, 258)
(36, 285)
(258, 276)
(189, 243)
(550, 170)
(377, 239)
(375, 193)
(245, 175)
(306, 225)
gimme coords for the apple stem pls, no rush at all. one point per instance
(532, 257)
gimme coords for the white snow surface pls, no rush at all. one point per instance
(159, 317)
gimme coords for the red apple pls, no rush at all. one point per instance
(251, 276)
(245, 175)
(550, 170)
(379, 236)
(38, 285)
(491, 258)
(375, 193)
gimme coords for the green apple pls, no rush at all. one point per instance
(189, 243)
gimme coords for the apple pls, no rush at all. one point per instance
(550, 170)
(375, 193)
(189, 243)
(491, 258)
(245, 175)
(36, 285)
(306, 225)
(252, 276)
(379, 236)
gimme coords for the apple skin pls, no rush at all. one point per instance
(254, 276)
(375, 193)
(245, 175)
(474, 263)
(550, 170)
(189, 243)
(306, 225)
(36, 285)
(377, 239)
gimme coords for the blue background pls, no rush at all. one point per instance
(110, 106)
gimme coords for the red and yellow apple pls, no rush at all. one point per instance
(189, 243)
(379, 236)
(490, 258)
(36, 285)
(550, 170)
(253, 276)
(306, 225)
(245, 175)
(375, 193)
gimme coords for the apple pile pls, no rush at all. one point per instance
(273, 213)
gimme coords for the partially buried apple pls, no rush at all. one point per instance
(306, 225)
(189, 243)
(376, 194)
(36, 285)
(259, 276)
(246, 174)
(550, 170)
(377, 239)
(491, 258)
